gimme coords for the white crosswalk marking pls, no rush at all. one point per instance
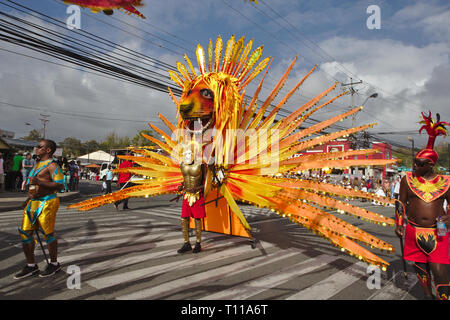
(227, 253)
(392, 290)
(251, 288)
(198, 278)
(330, 286)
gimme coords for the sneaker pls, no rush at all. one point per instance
(197, 248)
(50, 270)
(185, 248)
(27, 272)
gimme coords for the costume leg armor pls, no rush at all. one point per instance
(442, 291)
(26, 237)
(198, 232)
(423, 273)
(185, 230)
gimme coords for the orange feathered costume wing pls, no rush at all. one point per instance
(255, 158)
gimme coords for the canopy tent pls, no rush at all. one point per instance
(96, 157)
(93, 165)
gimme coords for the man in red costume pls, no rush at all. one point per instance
(124, 182)
(422, 193)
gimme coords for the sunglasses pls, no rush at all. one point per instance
(420, 163)
(40, 147)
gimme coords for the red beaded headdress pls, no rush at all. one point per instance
(433, 129)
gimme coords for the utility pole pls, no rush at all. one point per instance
(44, 123)
(352, 92)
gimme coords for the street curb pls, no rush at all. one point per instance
(62, 198)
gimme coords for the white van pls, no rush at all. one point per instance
(103, 168)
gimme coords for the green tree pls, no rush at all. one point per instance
(114, 141)
(139, 141)
(72, 147)
(34, 135)
(91, 146)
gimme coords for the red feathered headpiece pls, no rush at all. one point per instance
(433, 129)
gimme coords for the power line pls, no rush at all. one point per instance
(348, 72)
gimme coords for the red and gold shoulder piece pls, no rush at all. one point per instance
(428, 190)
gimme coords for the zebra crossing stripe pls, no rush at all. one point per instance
(159, 214)
(332, 285)
(223, 253)
(108, 233)
(394, 291)
(131, 260)
(125, 249)
(251, 288)
(124, 240)
(184, 283)
(71, 220)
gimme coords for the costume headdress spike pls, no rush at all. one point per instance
(201, 59)
(433, 129)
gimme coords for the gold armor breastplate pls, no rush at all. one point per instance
(193, 176)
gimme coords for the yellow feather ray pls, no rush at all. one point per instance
(298, 122)
(194, 75)
(286, 121)
(233, 206)
(218, 53)
(210, 56)
(176, 78)
(254, 57)
(167, 122)
(228, 52)
(286, 97)
(182, 69)
(316, 128)
(243, 58)
(319, 140)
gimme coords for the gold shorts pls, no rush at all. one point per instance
(39, 215)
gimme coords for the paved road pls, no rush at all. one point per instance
(132, 255)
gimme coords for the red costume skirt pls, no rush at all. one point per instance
(424, 245)
(197, 210)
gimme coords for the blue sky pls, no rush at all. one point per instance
(406, 61)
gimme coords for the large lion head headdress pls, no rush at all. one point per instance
(214, 96)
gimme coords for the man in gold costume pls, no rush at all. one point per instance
(194, 173)
(44, 180)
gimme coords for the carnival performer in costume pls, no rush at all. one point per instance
(44, 181)
(108, 6)
(241, 139)
(422, 193)
(194, 173)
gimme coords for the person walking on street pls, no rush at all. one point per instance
(2, 173)
(66, 173)
(109, 177)
(16, 176)
(124, 182)
(27, 165)
(40, 208)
